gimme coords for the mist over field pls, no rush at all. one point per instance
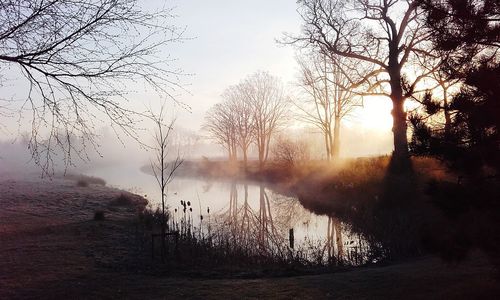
(309, 149)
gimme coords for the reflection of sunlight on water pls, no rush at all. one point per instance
(232, 204)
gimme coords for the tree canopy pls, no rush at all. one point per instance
(469, 33)
(80, 61)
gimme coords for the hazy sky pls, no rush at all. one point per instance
(231, 39)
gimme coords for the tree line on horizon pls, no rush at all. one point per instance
(251, 113)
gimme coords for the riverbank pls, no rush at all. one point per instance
(51, 248)
(290, 178)
(426, 210)
(48, 235)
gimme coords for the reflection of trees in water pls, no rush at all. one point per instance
(289, 213)
(334, 239)
(264, 228)
(238, 219)
(249, 226)
(233, 204)
(245, 224)
(207, 187)
(267, 228)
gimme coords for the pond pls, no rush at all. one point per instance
(246, 209)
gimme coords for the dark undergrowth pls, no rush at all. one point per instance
(424, 210)
(216, 249)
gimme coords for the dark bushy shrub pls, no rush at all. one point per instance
(99, 215)
(82, 183)
(123, 200)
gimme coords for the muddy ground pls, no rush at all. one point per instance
(51, 248)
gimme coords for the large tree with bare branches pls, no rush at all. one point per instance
(242, 116)
(251, 113)
(384, 35)
(325, 81)
(220, 124)
(268, 102)
(80, 59)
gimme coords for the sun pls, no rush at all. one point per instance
(375, 113)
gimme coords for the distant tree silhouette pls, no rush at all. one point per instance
(80, 59)
(220, 123)
(269, 108)
(243, 119)
(329, 97)
(251, 112)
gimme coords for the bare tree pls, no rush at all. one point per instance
(329, 96)
(446, 85)
(290, 153)
(241, 109)
(80, 59)
(251, 112)
(267, 99)
(187, 140)
(440, 84)
(221, 125)
(384, 35)
(163, 165)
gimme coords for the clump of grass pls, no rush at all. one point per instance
(82, 183)
(151, 218)
(84, 180)
(99, 215)
(123, 200)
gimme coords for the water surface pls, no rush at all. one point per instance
(244, 208)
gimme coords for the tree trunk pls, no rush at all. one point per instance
(338, 240)
(163, 232)
(163, 217)
(267, 143)
(400, 157)
(330, 139)
(447, 116)
(235, 152)
(262, 151)
(229, 153)
(336, 139)
(245, 158)
(327, 146)
(399, 128)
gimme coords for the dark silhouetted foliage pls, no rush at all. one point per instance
(467, 33)
(99, 215)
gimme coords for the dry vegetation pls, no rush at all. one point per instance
(353, 171)
(400, 216)
(84, 180)
(51, 249)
